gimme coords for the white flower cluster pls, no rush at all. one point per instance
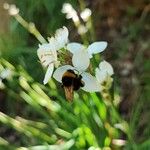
(71, 13)
(47, 53)
(81, 56)
(12, 9)
(76, 17)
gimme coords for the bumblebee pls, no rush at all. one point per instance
(71, 82)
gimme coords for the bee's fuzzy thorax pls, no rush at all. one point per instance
(70, 79)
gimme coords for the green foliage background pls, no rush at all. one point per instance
(35, 116)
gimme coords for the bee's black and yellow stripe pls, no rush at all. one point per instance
(70, 74)
(71, 79)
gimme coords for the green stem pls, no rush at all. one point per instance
(31, 28)
(119, 119)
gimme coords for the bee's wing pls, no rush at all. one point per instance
(69, 93)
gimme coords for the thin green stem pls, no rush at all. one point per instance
(31, 28)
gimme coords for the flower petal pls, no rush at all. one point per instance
(74, 47)
(85, 14)
(81, 60)
(90, 82)
(101, 75)
(53, 44)
(46, 55)
(48, 73)
(96, 47)
(61, 37)
(105, 66)
(60, 71)
(43, 47)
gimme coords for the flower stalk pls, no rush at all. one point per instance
(14, 11)
(31, 28)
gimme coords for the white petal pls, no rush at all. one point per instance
(70, 12)
(105, 66)
(85, 14)
(48, 73)
(91, 85)
(101, 75)
(53, 43)
(82, 29)
(45, 47)
(81, 60)
(74, 47)
(46, 54)
(66, 8)
(60, 71)
(96, 47)
(61, 37)
(13, 10)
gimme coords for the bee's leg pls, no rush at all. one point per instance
(81, 82)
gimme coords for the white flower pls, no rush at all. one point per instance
(82, 29)
(47, 53)
(85, 14)
(6, 74)
(6, 6)
(70, 12)
(61, 38)
(93, 48)
(13, 10)
(104, 72)
(80, 63)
